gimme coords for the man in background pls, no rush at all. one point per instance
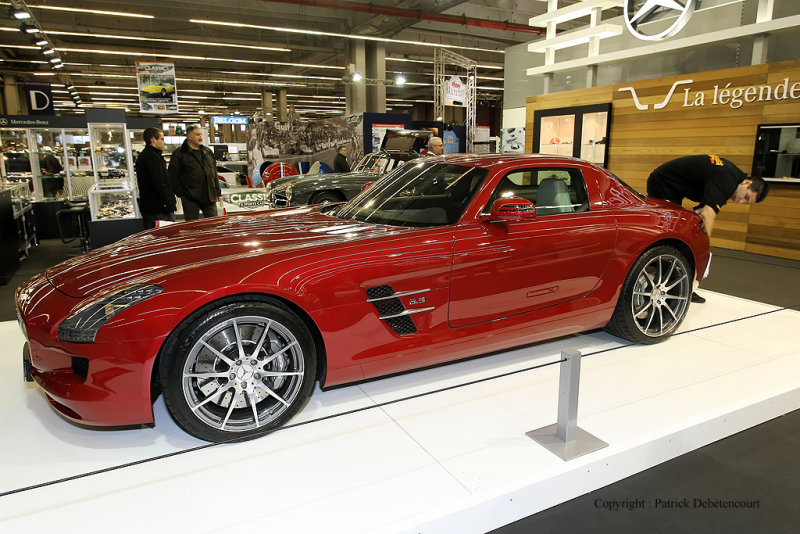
(193, 174)
(340, 160)
(435, 146)
(156, 200)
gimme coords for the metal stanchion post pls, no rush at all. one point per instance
(565, 439)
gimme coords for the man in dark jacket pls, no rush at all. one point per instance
(193, 173)
(156, 200)
(340, 160)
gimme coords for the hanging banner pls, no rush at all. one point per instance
(455, 92)
(39, 98)
(157, 91)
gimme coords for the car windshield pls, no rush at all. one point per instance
(416, 194)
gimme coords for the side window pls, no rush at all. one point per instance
(552, 190)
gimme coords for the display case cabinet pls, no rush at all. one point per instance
(114, 194)
(17, 159)
(17, 226)
(109, 202)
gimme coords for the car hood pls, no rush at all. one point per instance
(188, 245)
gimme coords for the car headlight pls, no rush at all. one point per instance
(82, 326)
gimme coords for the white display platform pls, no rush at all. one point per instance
(452, 461)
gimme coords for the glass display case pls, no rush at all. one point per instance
(580, 132)
(22, 230)
(16, 156)
(50, 170)
(80, 171)
(113, 196)
(776, 157)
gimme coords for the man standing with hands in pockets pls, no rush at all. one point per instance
(193, 173)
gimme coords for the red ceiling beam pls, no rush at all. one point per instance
(418, 15)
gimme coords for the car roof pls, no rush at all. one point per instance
(485, 160)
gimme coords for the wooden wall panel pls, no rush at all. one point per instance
(640, 141)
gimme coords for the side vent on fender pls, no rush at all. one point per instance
(392, 310)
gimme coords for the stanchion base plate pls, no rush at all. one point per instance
(584, 443)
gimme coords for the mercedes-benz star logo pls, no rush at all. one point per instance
(639, 13)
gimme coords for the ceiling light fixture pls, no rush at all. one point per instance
(400, 79)
(160, 40)
(92, 11)
(342, 35)
(40, 41)
(200, 58)
(357, 76)
(27, 28)
(16, 12)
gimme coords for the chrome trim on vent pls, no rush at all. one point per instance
(405, 313)
(396, 295)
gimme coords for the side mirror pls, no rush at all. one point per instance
(513, 209)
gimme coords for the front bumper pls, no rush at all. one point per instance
(100, 384)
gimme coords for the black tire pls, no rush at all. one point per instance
(163, 92)
(238, 370)
(654, 298)
(326, 197)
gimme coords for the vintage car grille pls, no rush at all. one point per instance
(278, 200)
(392, 310)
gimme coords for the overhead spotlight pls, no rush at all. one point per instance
(27, 28)
(48, 51)
(40, 41)
(55, 60)
(400, 79)
(18, 13)
(70, 88)
(58, 66)
(357, 76)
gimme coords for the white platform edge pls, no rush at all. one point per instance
(480, 512)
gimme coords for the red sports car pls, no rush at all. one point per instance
(235, 318)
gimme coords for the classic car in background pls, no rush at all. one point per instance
(236, 318)
(399, 146)
(162, 89)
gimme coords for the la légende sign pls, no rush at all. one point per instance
(735, 97)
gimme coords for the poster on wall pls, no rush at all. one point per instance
(157, 91)
(451, 142)
(379, 132)
(513, 140)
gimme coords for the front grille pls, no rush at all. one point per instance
(278, 200)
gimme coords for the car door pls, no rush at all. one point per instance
(505, 268)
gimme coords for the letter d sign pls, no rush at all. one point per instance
(39, 98)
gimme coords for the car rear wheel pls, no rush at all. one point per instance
(655, 297)
(238, 370)
(326, 197)
(163, 92)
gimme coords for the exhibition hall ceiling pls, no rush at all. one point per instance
(227, 53)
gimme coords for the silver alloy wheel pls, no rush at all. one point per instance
(243, 373)
(660, 295)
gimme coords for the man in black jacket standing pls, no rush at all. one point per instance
(340, 160)
(193, 173)
(156, 200)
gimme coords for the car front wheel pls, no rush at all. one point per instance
(326, 197)
(655, 297)
(238, 370)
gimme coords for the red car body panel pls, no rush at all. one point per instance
(490, 285)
